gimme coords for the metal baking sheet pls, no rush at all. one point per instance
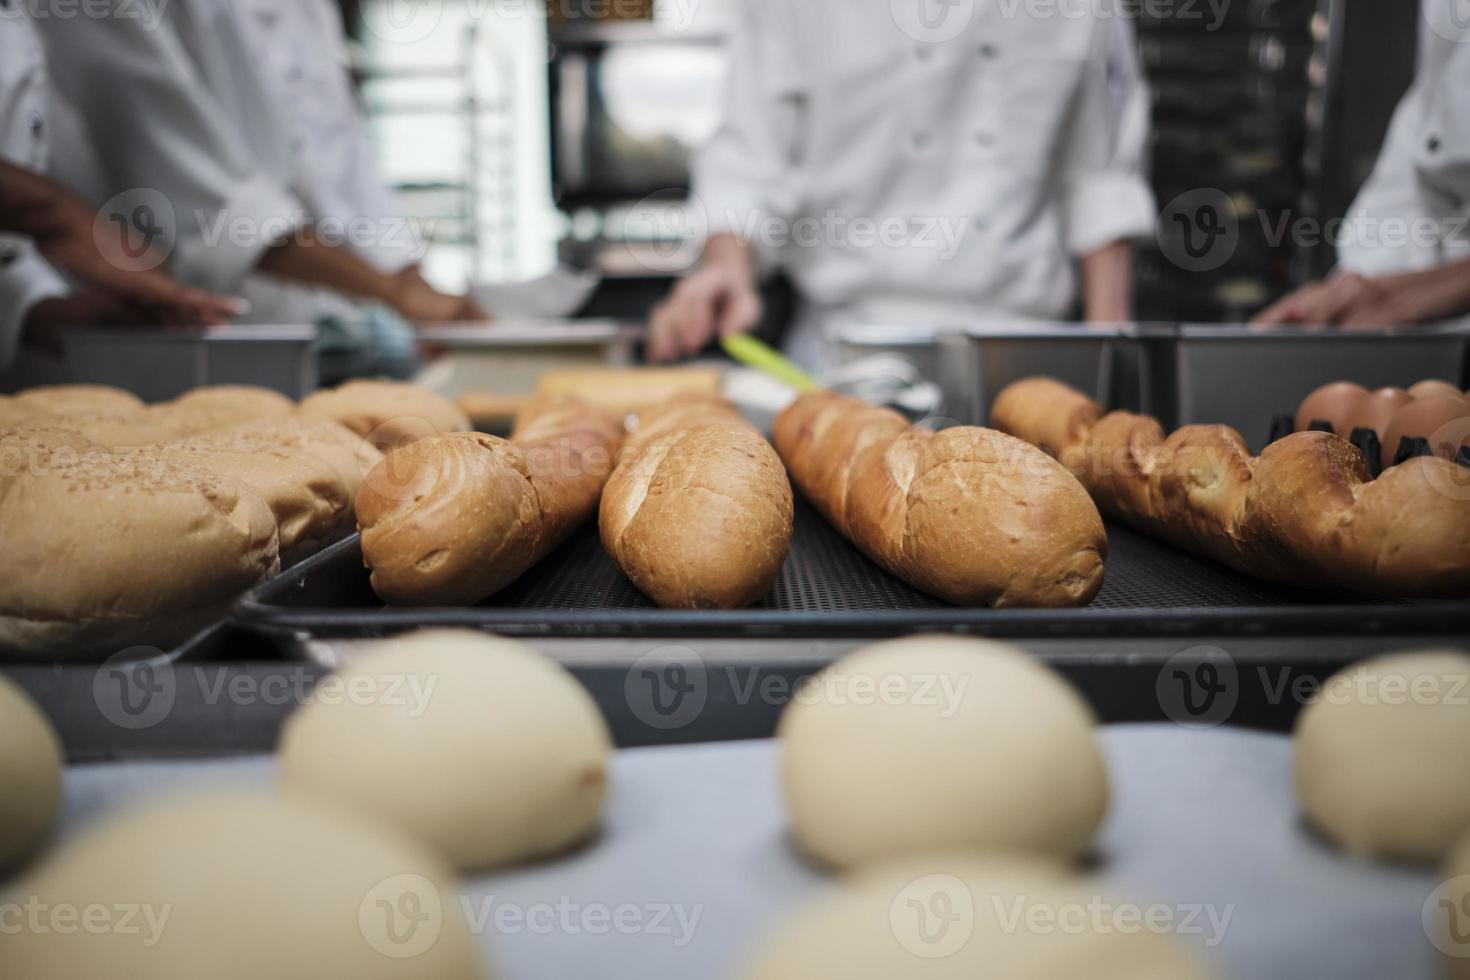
(828, 589)
(697, 837)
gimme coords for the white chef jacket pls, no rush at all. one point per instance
(25, 277)
(1414, 211)
(1017, 141)
(229, 107)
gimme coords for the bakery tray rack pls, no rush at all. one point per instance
(828, 589)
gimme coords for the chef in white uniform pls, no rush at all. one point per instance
(1404, 251)
(36, 300)
(982, 165)
(198, 108)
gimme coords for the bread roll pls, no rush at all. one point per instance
(492, 754)
(349, 455)
(1450, 904)
(67, 399)
(388, 413)
(1305, 512)
(244, 887)
(221, 406)
(451, 520)
(629, 391)
(118, 430)
(120, 551)
(936, 743)
(1380, 757)
(969, 515)
(699, 512)
(304, 491)
(955, 917)
(30, 770)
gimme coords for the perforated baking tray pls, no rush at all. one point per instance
(828, 589)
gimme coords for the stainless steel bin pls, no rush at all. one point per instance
(158, 365)
(1244, 376)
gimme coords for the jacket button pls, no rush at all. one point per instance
(1434, 144)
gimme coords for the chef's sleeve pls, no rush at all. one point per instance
(1105, 195)
(745, 172)
(25, 280)
(1407, 216)
(157, 128)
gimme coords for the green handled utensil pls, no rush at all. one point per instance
(752, 353)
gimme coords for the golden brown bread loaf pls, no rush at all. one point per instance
(390, 413)
(453, 519)
(969, 515)
(109, 551)
(1305, 512)
(699, 511)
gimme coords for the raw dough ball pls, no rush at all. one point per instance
(1381, 757)
(477, 746)
(30, 774)
(958, 920)
(939, 743)
(238, 887)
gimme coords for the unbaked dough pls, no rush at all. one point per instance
(241, 887)
(477, 746)
(965, 918)
(1381, 757)
(934, 743)
(30, 775)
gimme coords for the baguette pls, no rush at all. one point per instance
(699, 511)
(453, 519)
(970, 515)
(1305, 512)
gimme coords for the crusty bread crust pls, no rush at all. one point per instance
(970, 515)
(1306, 511)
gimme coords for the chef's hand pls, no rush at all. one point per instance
(133, 284)
(48, 320)
(419, 302)
(1353, 300)
(718, 299)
